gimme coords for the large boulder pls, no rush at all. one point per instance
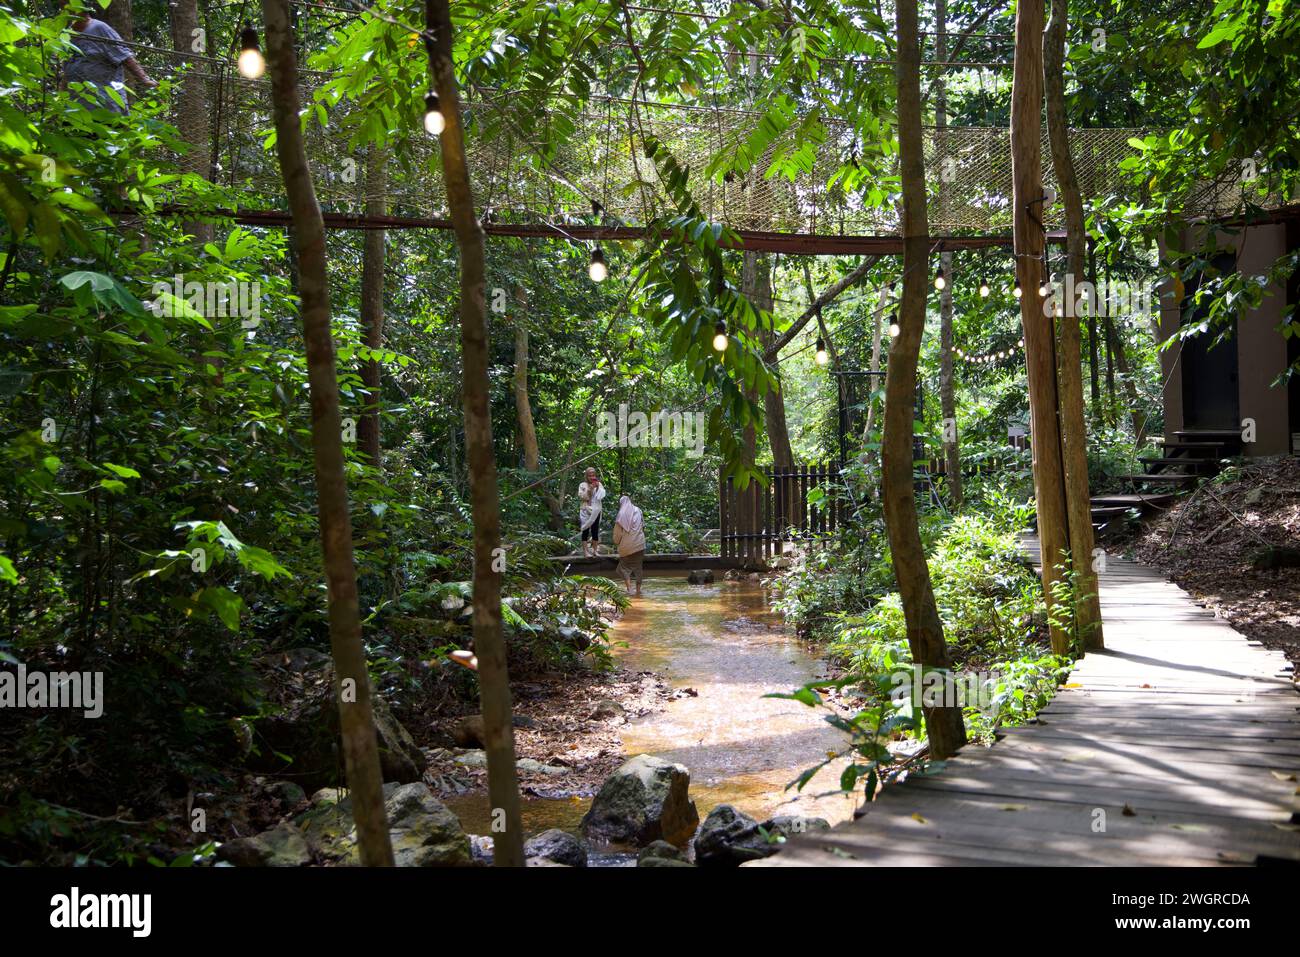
(282, 846)
(557, 846)
(729, 837)
(647, 799)
(308, 732)
(700, 576)
(424, 833)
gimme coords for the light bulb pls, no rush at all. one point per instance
(251, 63)
(434, 121)
(1044, 289)
(893, 329)
(939, 280)
(1015, 290)
(597, 270)
(984, 289)
(822, 356)
(720, 336)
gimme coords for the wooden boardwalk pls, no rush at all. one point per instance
(1177, 745)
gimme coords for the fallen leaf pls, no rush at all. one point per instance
(1128, 811)
(918, 818)
(1189, 827)
(1080, 756)
(1282, 775)
(1012, 807)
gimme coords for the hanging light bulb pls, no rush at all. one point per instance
(984, 288)
(1044, 287)
(1015, 290)
(1021, 343)
(597, 270)
(251, 63)
(720, 336)
(939, 280)
(893, 326)
(434, 121)
(822, 356)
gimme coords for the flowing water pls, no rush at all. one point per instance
(723, 649)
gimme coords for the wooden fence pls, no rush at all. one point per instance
(755, 523)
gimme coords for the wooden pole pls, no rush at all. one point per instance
(1040, 346)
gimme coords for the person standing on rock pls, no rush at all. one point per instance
(629, 539)
(590, 494)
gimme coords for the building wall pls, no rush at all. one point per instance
(1261, 350)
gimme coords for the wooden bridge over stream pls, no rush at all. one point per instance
(1177, 745)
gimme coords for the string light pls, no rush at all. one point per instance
(720, 336)
(434, 121)
(1016, 291)
(598, 270)
(984, 288)
(894, 327)
(1044, 288)
(939, 280)
(251, 63)
(822, 356)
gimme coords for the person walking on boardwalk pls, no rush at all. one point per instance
(629, 539)
(590, 494)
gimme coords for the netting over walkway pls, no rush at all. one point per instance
(600, 156)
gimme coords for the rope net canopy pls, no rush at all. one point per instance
(544, 171)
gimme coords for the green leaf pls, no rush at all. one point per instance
(225, 603)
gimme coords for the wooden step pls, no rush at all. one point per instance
(1134, 500)
(1166, 462)
(1168, 478)
(1209, 435)
(1110, 511)
(1193, 446)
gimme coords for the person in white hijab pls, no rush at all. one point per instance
(629, 539)
(590, 493)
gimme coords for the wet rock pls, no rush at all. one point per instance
(557, 846)
(645, 800)
(482, 848)
(754, 577)
(605, 709)
(731, 575)
(700, 576)
(282, 846)
(661, 850)
(729, 838)
(663, 862)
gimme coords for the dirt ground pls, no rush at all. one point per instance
(1234, 544)
(567, 723)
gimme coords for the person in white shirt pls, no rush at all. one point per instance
(590, 494)
(629, 539)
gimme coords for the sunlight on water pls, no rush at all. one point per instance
(723, 643)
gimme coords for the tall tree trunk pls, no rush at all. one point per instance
(524, 411)
(1069, 359)
(1108, 336)
(372, 306)
(489, 643)
(1130, 389)
(1040, 345)
(117, 16)
(947, 397)
(778, 429)
(356, 719)
(944, 725)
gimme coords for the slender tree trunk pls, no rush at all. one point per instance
(1094, 370)
(356, 719)
(947, 397)
(876, 337)
(489, 643)
(1130, 389)
(372, 307)
(1069, 359)
(524, 411)
(944, 725)
(778, 429)
(1108, 334)
(1040, 346)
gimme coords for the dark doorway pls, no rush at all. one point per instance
(1210, 387)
